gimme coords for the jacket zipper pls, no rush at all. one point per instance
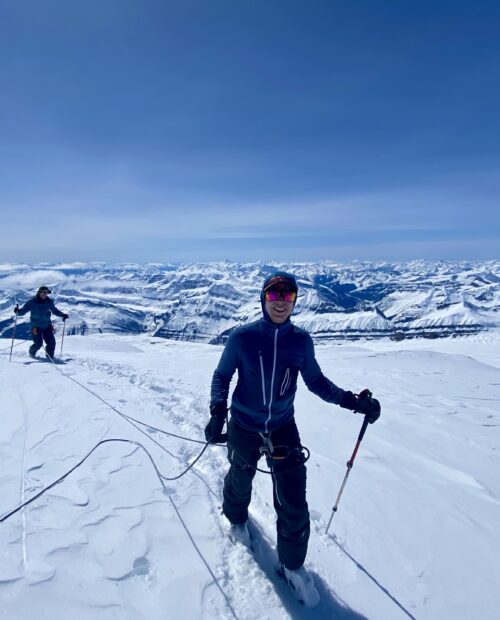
(262, 378)
(272, 379)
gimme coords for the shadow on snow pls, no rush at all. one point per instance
(329, 606)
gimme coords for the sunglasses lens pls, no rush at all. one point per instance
(273, 295)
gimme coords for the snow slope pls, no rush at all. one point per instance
(416, 534)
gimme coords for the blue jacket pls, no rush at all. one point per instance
(268, 358)
(40, 311)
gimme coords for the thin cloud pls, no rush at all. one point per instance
(32, 279)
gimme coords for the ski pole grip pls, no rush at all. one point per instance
(363, 428)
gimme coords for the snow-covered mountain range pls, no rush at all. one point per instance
(204, 302)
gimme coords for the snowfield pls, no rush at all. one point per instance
(416, 534)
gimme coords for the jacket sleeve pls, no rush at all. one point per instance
(315, 380)
(26, 308)
(55, 310)
(224, 372)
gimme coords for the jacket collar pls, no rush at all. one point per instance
(270, 327)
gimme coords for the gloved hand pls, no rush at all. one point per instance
(368, 406)
(64, 316)
(213, 430)
(16, 309)
(348, 401)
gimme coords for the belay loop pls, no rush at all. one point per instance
(272, 452)
(275, 454)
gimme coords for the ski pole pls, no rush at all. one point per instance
(62, 339)
(350, 463)
(13, 336)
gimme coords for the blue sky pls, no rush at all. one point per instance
(152, 130)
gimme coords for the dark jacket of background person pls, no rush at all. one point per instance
(41, 310)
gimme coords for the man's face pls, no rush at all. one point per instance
(278, 309)
(43, 294)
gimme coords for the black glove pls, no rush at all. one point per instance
(64, 316)
(213, 430)
(16, 309)
(348, 401)
(368, 406)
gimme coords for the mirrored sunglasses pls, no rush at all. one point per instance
(273, 295)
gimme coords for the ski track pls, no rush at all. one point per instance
(113, 516)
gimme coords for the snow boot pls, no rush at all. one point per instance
(301, 584)
(239, 534)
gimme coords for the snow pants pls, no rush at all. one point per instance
(39, 335)
(289, 487)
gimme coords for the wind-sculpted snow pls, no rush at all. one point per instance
(416, 533)
(205, 302)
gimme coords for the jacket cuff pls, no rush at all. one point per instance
(348, 401)
(219, 410)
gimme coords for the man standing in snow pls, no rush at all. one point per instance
(41, 307)
(269, 354)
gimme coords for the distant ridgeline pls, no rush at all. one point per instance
(205, 302)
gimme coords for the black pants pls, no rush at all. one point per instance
(289, 487)
(39, 335)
